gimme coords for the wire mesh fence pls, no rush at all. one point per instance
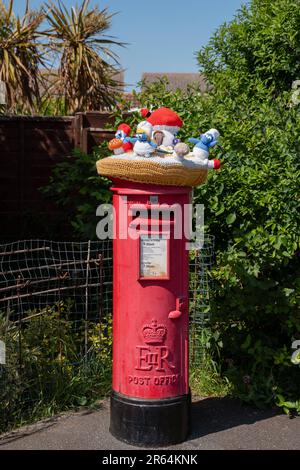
(200, 285)
(55, 322)
(38, 274)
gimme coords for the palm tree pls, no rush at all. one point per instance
(87, 64)
(20, 57)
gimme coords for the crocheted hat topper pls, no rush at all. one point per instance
(163, 119)
(158, 156)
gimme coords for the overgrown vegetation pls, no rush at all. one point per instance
(206, 377)
(21, 57)
(46, 370)
(76, 39)
(252, 204)
(76, 187)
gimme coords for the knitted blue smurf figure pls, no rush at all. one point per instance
(202, 146)
(204, 143)
(120, 134)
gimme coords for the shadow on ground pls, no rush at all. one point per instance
(213, 415)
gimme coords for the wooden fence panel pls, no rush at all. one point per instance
(92, 128)
(30, 146)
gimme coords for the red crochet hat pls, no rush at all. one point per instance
(125, 128)
(163, 119)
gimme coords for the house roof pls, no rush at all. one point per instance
(177, 80)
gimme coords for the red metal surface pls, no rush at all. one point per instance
(150, 317)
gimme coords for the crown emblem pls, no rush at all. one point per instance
(154, 333)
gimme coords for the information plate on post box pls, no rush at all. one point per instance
(154, 257)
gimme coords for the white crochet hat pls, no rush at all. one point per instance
(214, 132)
(145, 127)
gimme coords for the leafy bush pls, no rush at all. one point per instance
(206, 377)
(252, 206)
(46, 370)
(76, 187)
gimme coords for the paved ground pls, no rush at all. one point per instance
(217, 423)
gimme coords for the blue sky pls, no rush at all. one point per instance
(163, 35)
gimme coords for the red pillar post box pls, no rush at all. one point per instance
(150, 397)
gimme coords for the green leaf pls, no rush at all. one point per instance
(246, 343)
(82, 401)
(231, 218)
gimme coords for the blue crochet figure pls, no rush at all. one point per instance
(202, 146)
(142, 137)
(120, 134)
(206, 141)
(143, 145)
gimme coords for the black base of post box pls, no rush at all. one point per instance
(150, 422)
